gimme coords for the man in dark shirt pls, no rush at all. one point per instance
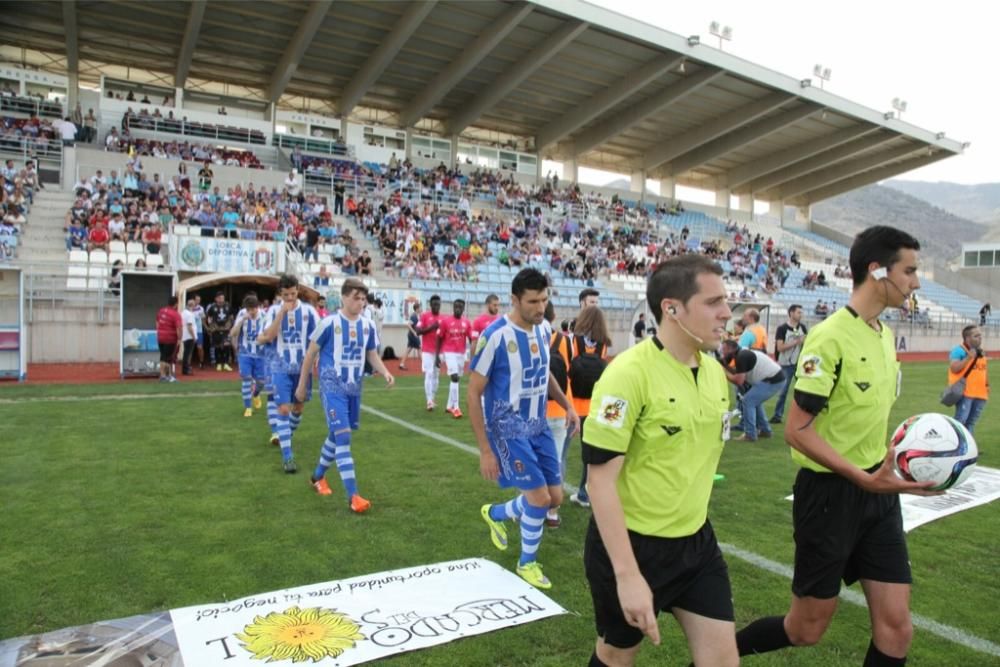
(338, 198)
(788, 341)
(639, 330)
(218, 322)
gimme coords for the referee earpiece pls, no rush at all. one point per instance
(881, 273)
(672, 310)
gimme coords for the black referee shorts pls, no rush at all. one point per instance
(686, 573)
(843, 532)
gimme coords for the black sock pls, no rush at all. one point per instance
(763, 635)
(875, 658)
(595, 661)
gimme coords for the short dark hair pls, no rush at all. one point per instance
(792, 308)
(172, 301)
(677, 278)
(287, 280)
(588, 291)
(435, 297)
(220, 293)
(528, 279)
(353, 285)
(881, 244)
(967, 330)
(461, 301)
(550, 312)
(250, 301)
(491, 298)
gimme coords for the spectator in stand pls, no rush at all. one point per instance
(115, 280)
(98, 237)
(67, 130)
(984, 313)
(364, 264)
(338, 198)
(205, 176)
(89, 127)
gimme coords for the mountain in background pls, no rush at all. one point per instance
(941, 233)
(979, 203)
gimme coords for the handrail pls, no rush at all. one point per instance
(30, 148)
(313, 145)
(193, 129)
(31, 105)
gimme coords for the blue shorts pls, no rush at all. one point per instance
(252, 368)
(342, 411)
(201, 339)
(527, 463)
(283, 387)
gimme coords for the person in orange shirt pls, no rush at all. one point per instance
(977, 385)
(590, 353)
(754, 336)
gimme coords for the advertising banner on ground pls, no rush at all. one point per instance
(336, 623)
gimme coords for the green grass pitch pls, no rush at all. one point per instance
(116, 506)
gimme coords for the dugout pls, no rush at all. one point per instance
(236, 286)
(13, 338)
(143, 293)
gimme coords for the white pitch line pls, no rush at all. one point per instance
(947, 632)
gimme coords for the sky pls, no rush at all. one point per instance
(936, 56)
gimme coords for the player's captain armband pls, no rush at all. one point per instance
(612, 412)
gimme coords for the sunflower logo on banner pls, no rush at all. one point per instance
(300, 635)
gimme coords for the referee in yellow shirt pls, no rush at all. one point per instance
(657, 423)
(846, 514)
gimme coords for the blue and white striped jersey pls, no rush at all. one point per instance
(343, 345)
(292, 341)
(516, 365)
(249, 329)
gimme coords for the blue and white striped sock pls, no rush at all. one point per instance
(285, 436)
(246, 389)
(509, 510)
(325, 458)
(272, 415)
(345, 466)
(258, 386)
(294, 420)
(532, 522)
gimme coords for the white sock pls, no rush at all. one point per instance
(429, 387)
(453, 395)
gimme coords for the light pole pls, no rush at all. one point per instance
(822, 73)
(899, 105)
(723, 32)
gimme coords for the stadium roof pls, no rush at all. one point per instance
(581, 81)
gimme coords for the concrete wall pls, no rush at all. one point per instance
(980, 284)
(65, 334)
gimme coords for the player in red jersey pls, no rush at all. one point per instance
(427, 327)
(454, 334)
(486, 319)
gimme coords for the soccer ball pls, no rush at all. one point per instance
(934, 448)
